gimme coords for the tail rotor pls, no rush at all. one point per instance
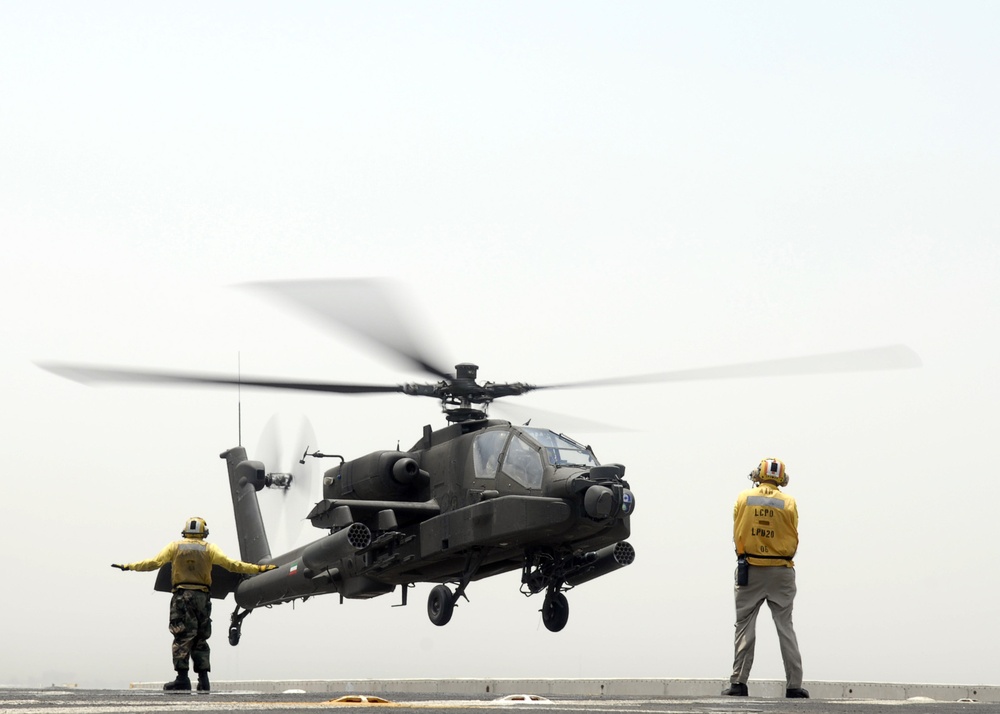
(289, 486)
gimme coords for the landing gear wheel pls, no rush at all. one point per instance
(440, 605)
(555, 611)
(236, 625)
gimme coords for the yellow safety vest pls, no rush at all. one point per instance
(191, 566)
(766, 526)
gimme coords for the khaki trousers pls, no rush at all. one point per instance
(776, 586)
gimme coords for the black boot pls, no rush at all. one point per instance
(181, 684)
(796, 693)
(203, 683)
(736, 689)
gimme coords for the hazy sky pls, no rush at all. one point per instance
(566, 191)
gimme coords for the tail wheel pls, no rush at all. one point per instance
(440, 605)
(555, 611)
(236, 625)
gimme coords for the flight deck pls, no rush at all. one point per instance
(582, 696)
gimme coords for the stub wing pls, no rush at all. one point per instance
(329, 512)
(223, 582)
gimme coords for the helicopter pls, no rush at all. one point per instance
(467, 501)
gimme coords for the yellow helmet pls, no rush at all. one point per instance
(770, 469)
(195, 527)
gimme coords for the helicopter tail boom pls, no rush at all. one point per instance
(324, 566)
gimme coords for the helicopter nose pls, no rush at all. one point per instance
(599, 501)
(603, 502)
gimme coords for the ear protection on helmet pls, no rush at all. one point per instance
(770, 470)
(195, 527)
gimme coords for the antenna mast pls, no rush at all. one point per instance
(239, 401)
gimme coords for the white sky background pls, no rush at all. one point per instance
(566, 191)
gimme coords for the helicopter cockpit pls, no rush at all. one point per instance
(527, 451)
(560, 450)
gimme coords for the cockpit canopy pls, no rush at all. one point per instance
(523, 452)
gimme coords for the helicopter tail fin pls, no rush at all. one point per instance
(245, 479)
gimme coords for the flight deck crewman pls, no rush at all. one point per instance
(191, 560)
(766, 534)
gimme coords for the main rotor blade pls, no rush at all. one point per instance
(556, 421)
(364, 306)
(878, 358)
(95, 375)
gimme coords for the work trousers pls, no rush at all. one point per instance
(776, 586)
(191, 626)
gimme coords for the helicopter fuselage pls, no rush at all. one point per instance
(469, 501)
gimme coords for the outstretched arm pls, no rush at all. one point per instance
(163, 557)
(235, 566)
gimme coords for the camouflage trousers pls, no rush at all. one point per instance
(191, 626)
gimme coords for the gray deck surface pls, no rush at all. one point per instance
(320, 695)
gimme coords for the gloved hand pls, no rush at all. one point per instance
(265, 568)
(120, 567)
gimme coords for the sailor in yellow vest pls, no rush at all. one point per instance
(766, 534)
(191, 560)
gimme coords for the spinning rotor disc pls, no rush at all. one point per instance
(369, 309)
(291, 490)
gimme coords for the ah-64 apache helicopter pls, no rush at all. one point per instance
(474, 499)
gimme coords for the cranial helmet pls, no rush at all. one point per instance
(195, 527)
(770, 470)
